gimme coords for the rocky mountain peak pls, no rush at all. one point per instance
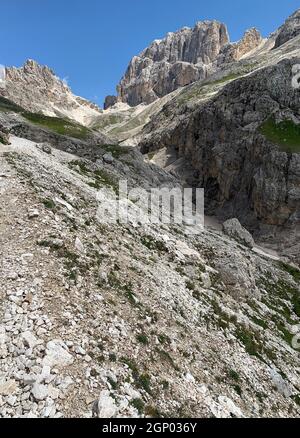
(177, 60)
(235, 51)
(37, 89)
(182, 57)
(289, 30)
(198, 45)
(32, 66)
(147, 317)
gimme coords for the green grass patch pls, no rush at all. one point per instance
(138, 404)
(296, 399)
(99, 178)
(107, 120)
(166, 357)
(113, 383)
(233, 375)
(103, 178)
(142, 381)
(60, 126)
(259, 322)
(294, 272)
(142, 339)
(125, 288)
(49, 203)
(229, 77)
(281, 291)
(253, 345)
(116, 150)
(285, 134)
(164, 339)
(153, 244)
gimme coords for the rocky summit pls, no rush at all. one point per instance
(110, 318)
(179, 59)
(37, 89)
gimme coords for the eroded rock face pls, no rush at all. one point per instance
(289, 30)
(244, 174)
(37, 89)
(180, 59)
(110, 101)
(177, 60)
(235, 51)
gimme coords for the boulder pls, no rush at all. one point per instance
(105, 407)
(57, 355)
(39, 391)
(108, 158)
(234, 229)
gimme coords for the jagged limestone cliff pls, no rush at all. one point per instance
(179, 59)
(37, 89)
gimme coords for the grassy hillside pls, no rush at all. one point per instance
(60, 126)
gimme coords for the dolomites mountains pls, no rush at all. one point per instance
(179, 59)
(127, 320)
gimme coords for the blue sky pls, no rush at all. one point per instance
(90, 42)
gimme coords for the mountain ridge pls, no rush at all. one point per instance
(37, 89)
(182, 57)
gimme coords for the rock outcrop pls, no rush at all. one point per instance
(235, 51)
(110, 101)
(228, 140)
(179, 59)
(234, 229)
(37, 89)
(4, 135)
(289, 30)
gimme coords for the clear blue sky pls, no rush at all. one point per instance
(90, 42)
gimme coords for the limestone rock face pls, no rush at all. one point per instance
(37, 89)
(175, 61)
(235, 51)
(180, 59)
(289, 30)
(243, 172)
(110, 101)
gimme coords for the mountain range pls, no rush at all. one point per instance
(128, 320)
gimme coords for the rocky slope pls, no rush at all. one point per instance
(228, 141)
(129, 321)
(237, 134)
(37, 89)
(36, 126)
(179, 59)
